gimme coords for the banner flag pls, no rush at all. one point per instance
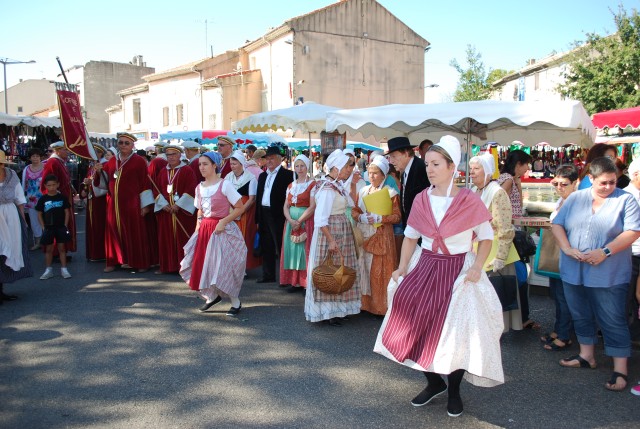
(74, 131)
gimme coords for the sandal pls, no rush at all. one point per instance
(581, 362)
(554, 346)
(548, 337)
(610, 385)
(530, 324)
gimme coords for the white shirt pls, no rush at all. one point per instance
(405, 173)
(206, 192)
(268, 184)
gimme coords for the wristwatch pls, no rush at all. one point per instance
(606, 251)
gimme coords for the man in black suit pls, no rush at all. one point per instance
(270, 197)
(413, 173)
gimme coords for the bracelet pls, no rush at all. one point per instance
(200, 217)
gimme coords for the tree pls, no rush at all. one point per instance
(603, 72)
(474, 82)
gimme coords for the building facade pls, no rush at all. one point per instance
(350, 54)
(538, 81)
(29, 96)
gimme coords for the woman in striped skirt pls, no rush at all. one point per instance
(215, 256)
(444, 316)
(332, 234)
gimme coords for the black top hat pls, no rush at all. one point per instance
(273, 150)
(397, 143)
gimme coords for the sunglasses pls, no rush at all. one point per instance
(223, 144)
(124, 143)
(556, 184)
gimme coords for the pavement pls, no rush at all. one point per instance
(131, 350)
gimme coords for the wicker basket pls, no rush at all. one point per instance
(333, 280)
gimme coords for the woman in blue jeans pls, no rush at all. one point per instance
(595, 228)
(564, 182)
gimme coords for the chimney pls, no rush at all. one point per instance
(532, 61)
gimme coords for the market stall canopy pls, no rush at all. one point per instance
(308, 117)
(531, 122)
(621, 118)
(256, 139)
(202, 135)
(31, 121)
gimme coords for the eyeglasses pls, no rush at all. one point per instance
(561, 184)
(223, 144)
(124, 143)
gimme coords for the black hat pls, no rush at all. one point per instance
(273, 150)
(397, 143)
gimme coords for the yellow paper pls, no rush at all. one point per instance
(511, 258)
(379, 203)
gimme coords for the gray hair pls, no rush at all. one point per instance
(602, 165)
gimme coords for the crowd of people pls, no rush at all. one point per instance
(423, 250)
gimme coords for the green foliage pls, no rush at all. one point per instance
(474, 82)
(603, 72)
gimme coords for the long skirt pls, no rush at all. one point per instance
(8, 274)
(463, 334)
(294, 259)
(377, 267)
(321, 306)
(248, 228)
(214, 264)
(96, 223)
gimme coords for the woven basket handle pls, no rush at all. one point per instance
(328, 261)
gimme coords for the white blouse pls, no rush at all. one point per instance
(206, 192)
(458, 243)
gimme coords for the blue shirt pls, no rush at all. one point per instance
(587, 231)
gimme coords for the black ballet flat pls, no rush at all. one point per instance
(334, 321)
(6, 297)
(208, 305)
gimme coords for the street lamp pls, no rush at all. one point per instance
(4, 62)
(433, 85)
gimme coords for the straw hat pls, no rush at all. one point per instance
(3, 159)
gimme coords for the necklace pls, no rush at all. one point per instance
(122, 163)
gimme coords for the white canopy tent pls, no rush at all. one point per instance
(531, 122)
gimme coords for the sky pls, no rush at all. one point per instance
(505, 33)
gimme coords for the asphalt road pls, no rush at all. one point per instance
(131, 350)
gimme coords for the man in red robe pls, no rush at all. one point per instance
(94, 188)
(129, 200)
(192, 153)
(57, 165)
(225, 148)
(174, 208)
(159, 162)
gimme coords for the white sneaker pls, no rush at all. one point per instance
(65, 273)
(48, 273)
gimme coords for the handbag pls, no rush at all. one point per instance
(524, 245)
(506, 287)
(298, 236)
(257, 249)
(547, 260)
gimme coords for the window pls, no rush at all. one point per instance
(137, 112)
(212, 121)
(179, 115)
(19, 109)
(536, 81)
(165, 116)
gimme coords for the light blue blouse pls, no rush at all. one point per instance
(588, 231)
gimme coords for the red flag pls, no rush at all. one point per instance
(74, 132)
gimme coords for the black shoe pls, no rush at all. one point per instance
(266, 280)
(334, 321)
(5, 297)
(454, 406)
(208, 305)
(233, 311)
(428, 394)
(295, 289)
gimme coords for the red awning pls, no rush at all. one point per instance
(621, 118)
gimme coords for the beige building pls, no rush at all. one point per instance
(351, 54)
(29, 96)
(538, 81)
